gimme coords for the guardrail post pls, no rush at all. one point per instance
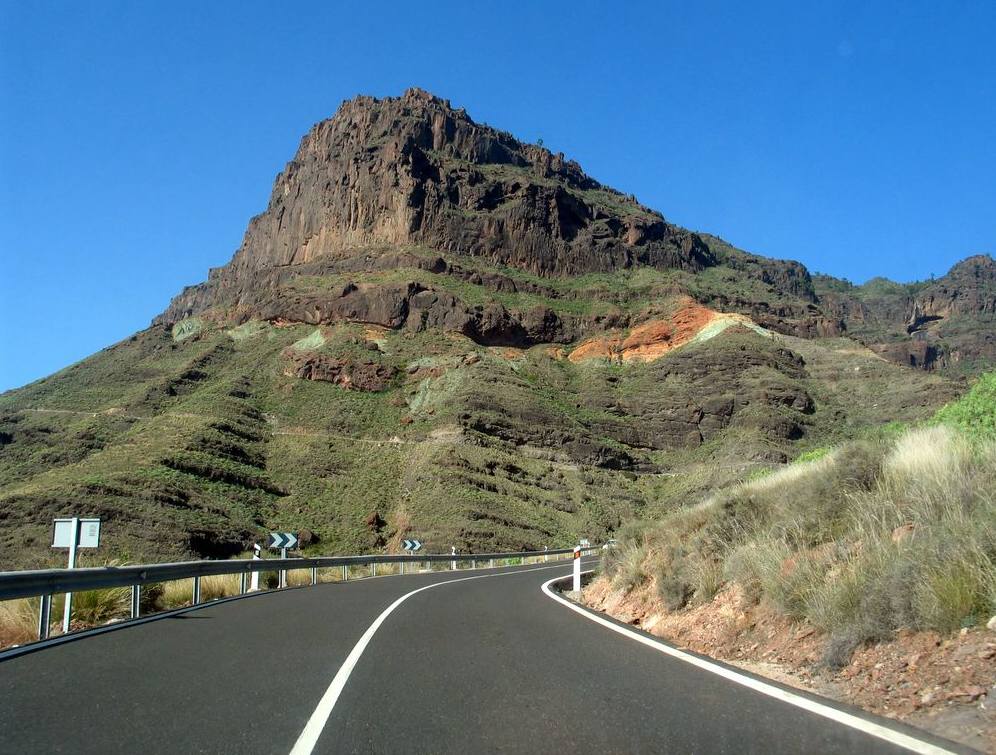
(373, 569)
(44, 617)
(345, 572)
(136, 601)
(314, 575)
(197, 590)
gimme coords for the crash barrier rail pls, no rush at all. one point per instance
(49, 582)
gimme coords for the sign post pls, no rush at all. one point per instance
(74, 533)
(453, 562)
(577, 568)
(410, 545)
(283, 541)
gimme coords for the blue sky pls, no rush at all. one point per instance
(137, 139)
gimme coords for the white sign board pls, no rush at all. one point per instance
(89, 533)
(584, 543)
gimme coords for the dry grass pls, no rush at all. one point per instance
(19, 618)
(18, 621)
(180, 592)
(298, 577)
(870, 538)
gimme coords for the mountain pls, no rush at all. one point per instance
(944, 323)
(437, 330)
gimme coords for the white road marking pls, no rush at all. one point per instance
(316, 724)
(847, 719)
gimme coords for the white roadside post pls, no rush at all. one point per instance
(545, 556)
(254, 579)
(453, 562)
(73, 533)
(577, 568)
(283, 572)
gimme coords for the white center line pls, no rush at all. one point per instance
(316, 724)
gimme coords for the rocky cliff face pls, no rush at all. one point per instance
(949, 322)
(414, 171)
(405, 213)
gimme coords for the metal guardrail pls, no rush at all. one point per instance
(49, 582)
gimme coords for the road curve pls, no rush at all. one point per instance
(488, 664)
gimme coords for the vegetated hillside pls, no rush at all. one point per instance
(893, 531)
(437, 330)
(865, 571)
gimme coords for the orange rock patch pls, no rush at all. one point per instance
(649, 340)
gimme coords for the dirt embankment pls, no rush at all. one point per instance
(944, 684)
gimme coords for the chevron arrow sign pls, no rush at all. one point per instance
(283, 540)
(412, 545)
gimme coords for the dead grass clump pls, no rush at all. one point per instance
(298, 577)
(18, 621)
(94, 607)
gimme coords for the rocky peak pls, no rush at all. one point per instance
(412, 170)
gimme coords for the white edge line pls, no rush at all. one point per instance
(316, 724)
(842, 717)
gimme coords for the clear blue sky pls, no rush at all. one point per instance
(136, 139)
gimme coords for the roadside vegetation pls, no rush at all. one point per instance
(887, 532)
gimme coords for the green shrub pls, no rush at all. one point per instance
(975, 412)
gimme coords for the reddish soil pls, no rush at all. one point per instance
(649, 340)
(945, 684)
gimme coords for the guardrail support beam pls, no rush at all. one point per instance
(44, 617)
(136, 601)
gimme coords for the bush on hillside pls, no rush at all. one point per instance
(974, 413)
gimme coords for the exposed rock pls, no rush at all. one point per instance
(940, 323)
(383, 181)
(363, 376)
(413, 170)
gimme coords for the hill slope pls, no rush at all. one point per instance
(437, 330)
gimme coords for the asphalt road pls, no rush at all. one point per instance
(491, 664)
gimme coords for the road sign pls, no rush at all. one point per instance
(412, 545)
(73, 533)
(283, 540)
(89, 533)
(584, 542)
